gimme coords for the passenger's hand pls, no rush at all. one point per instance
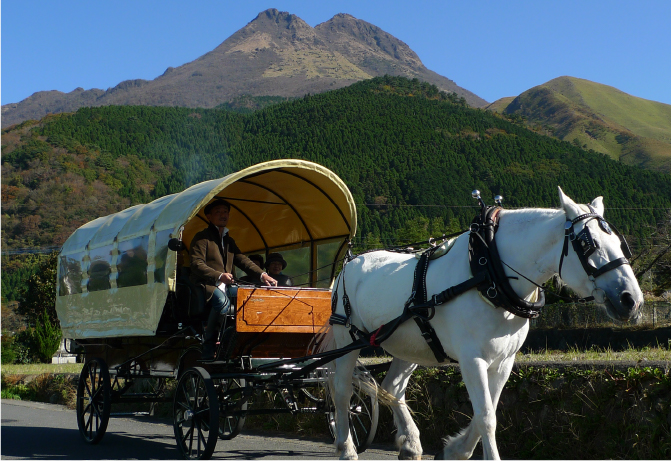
(268, 280)
(226, 279)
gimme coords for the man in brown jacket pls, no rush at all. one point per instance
(213, 253)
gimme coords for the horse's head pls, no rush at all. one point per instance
(596, 264)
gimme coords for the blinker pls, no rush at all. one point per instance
(587, 242)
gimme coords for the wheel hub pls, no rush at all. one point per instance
(188, 415)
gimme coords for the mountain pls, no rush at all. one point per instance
(406, 151)
(599, 117)
(276, 54)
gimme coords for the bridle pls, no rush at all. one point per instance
(584, 245)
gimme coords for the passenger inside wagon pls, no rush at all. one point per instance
(275, 265)
(253, 279)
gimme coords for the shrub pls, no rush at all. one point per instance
(47, 338)
(42, 341)
(39, 294)
(47, 387)
(7, 351)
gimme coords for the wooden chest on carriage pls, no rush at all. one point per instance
(282, 310)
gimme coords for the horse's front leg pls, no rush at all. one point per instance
(407, 437)
(344, 370)
(462, 445)
(476, 376)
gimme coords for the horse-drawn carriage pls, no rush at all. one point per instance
(125, 297)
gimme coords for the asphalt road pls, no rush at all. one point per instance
(33, 430)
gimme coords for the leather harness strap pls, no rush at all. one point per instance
(422, 312)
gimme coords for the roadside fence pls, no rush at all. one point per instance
(656, 314)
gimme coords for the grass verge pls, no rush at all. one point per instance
(597, 409)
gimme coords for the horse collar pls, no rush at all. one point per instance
(486, 264)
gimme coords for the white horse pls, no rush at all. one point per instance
(482, 338)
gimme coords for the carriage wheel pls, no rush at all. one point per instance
(94, 400)
(195, 411)
(231, 425)
(363, 417)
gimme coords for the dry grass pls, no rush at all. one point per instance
(41, 368)
(595, 354)
(652, 354)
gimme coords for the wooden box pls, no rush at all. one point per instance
(282, 310)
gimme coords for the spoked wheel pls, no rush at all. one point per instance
(363, 417)
(195, 412)
(230, 425)
(94, 400)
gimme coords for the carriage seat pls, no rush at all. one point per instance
(190, 297)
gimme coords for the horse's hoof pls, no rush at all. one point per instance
(407, 454)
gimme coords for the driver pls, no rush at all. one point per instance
(213, 253)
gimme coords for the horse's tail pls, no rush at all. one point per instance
(361, 378)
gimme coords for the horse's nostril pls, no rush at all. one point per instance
(627, 300)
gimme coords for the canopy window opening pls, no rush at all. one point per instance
(309, 264)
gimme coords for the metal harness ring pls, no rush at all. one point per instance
(496, 293)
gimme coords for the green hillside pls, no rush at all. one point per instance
(599, 117)
(405, 150)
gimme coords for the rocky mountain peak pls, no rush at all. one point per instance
(352, 35)
(273, 19)
(275, 54)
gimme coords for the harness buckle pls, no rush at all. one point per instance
(474, 227)
(482, 261)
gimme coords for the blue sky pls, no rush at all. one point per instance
(492, 48)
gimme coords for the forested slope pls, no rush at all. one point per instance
(404, 149)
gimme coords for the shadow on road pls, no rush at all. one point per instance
(50, 443)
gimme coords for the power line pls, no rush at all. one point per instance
(393, 205)
(399, 205)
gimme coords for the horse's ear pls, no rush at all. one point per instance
(597, 204)
(568, 205)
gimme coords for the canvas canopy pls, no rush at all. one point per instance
(115, 272)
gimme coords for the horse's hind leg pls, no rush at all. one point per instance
(407, 437)
(344, 370)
